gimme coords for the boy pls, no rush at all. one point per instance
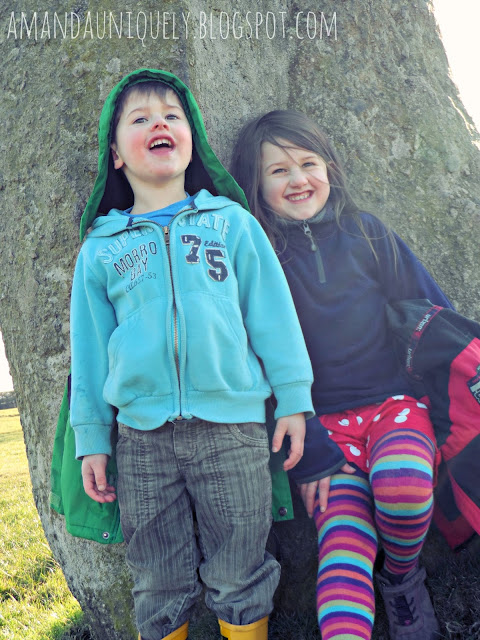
(182, 325)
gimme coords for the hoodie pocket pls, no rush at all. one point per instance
(217, 351)
(138, 358)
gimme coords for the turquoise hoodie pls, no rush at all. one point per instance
(161, 330)
(193, 319)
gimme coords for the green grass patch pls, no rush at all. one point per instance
(35, 603)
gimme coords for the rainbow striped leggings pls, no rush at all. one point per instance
(392, 503)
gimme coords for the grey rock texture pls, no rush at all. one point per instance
(373, 73)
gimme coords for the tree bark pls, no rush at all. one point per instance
(373, 73)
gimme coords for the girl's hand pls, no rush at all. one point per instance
(309, 491)
(95, 479)
(293, 426)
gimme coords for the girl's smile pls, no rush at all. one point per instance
(294, 181)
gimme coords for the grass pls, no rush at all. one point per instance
(35, 603)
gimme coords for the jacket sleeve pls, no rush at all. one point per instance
(92, 322)
(321, 456)
(271, 321)
(401, 273)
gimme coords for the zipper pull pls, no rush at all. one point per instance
(314, 247)
(308, 232)
(166, 233)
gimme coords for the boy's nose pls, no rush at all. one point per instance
(159, 122)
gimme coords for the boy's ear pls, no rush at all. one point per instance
(117, 161)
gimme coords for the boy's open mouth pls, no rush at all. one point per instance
(161, 143)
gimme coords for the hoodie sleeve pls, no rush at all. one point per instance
(271, 321)
(92, 322)
(401, 273)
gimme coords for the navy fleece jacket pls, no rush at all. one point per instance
(340, 290)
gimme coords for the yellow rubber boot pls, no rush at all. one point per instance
(179, 634)
(255, 631)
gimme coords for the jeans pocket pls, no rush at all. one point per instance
(123, 430)
(250, 433)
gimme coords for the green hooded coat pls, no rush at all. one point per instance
(84, 517)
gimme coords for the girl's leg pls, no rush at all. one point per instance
(401, 477)
(347, 549)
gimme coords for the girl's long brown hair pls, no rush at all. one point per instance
(297, 130)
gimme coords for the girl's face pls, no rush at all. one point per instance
(294, 181)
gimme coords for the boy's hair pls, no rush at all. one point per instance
(157, 87)
(298, 130)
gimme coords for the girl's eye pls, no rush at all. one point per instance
(171, 116)
(279, 170)
(140, 120)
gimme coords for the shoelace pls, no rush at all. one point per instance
(404, 610)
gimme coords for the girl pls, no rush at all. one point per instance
(343, 266)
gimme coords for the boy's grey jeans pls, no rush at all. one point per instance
(219, 472)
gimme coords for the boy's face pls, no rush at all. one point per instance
(153, 140)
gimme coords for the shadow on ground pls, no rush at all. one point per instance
(453, 581)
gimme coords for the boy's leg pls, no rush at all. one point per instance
(227, 473)
(179, 634)
(157, 523)
(401, 475)
(347, 545)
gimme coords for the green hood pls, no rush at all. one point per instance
(111, 189)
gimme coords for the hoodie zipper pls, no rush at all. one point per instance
(314, 247)
(166, 233)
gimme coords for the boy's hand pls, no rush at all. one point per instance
(293, 426)
(308, 491)
(95, 479)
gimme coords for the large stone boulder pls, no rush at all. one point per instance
(374, 74)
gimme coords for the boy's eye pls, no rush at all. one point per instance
(171, 116)
(140, 120)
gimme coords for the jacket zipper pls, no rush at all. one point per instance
(166, 233)
(314, 247)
